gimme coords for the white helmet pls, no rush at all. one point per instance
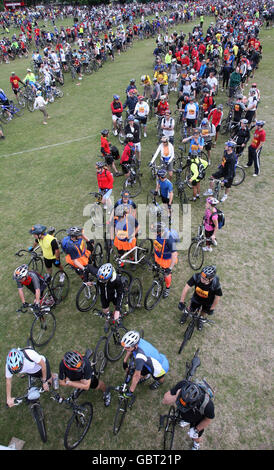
(130, 339)
(143, 77)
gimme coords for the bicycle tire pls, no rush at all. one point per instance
(30, 105)
(195, 255)
(154, 295)
(114, 350)
(86, 297)
(187, 334)
(120, 415)
(45, 325)
(81, 426)
(60, 289)
(98, 255)
(18, 111)
(147, 245)
(169, 431)
(239, 176)
(133, 186)
(224, 127)
(100, 357)
(39, 418)
(36, 264)
(135, 294)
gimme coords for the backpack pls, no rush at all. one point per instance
(209, 394)
(66, 242)
(201, 170)
(25, 354)
(221, 218)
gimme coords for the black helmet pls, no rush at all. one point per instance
(105, 132)
(38, 229)
(189, 396)
(73, 360)
(129, 137)
(209, 272)
(100, 164)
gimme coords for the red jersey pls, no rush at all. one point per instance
(105, 179)
(105, 148)
(162, 107)
(116, 108)
(14, 80)
(258, 138)
(216, 116)
(129, 148)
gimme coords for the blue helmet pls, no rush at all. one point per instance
(162, 173)
(15, 361)
(116, 97)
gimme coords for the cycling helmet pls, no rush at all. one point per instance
(140, 97)
(206, 90)
(212, 201)
(38, 93)
(15, 360)
(132, 80)
(143, 77)
(164, 139)
(239, 97)
(252, 91)
(20, 272)
(74, 231)
(131, 117)
(189, 396)
(129, 137)
(120, 211)
(230, 143)
(191, 98)
(220, 106)
(105, 131)
(244, 121)
(162, 173)
(260, 123)
(209, 272)
(204, 122)
(100, 164)
(163, 97)
(38, 229)
(105, 272)
(125, 193)
(116, 97)
(73, 360)
(130, 339)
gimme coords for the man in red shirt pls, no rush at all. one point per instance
(105, 184)
(163, 106)
(128, 154)
(255, 148)
(116, 109)
(106, 151)
(217, 115)
(15, 80)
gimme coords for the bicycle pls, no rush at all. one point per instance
(137, 255)
(9, 111)
(195, 317)
(195, 253)
(133, 182)
(120, 130)
(113, 348)
(36, 262)
(43, 326)
(239, 175)
(156, 290)
(32, 398)
(173, 418)
(181, 183)
(218, 185)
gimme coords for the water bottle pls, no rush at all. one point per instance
(55, 381)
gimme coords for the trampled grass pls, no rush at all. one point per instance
(51, 186)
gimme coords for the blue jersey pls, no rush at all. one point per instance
(166, 187)
(148, 356)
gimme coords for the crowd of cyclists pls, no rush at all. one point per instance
(210, 64)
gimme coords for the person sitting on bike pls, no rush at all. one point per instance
(126, 201)
(195, 408)
(133, 127)
(4, 101)
(105, 184)
(164, 187)
(165, 253)
(49, 246)
(127, 155)
(198, 168)
(208, 131)
(117, 110)
(77, 250)
(241, 136)
(148, 362)
(166, 151)
(76, 371)
(141, 113)
(26, 361)
(207, 293)
(210, 223)
(226, 170)
(238, 109)
(33, 281)
(124, 230)
(196, 142)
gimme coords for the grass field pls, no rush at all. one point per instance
(46, 175)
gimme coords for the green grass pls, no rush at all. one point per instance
(51, 186)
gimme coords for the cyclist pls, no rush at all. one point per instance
(167, 126)
(105, 183)
(14, 81)
(148, 361)
(77, 250)
(26, 361)
(156, 94)
(198, 167)
(208, 131)
(117, 110)
(131, 101)
(49, 246)
(30, 79)
(164, 187)
(147, 84)
(207, 294)
(124, 230)
(162, 106)
(40, 103)
(133, 127)
(191, 113)
(126, 201)
(127, 155)
(141, 113)
(108, 151)
(195, 407)
(33, 281)
(251, 107)
(4, 101)
(241, 136)
(166, 150)
(216, 115)
(211, 223)
(165, 253)
(76, 371)
(226, 170)
(255, 148)
(196, 142)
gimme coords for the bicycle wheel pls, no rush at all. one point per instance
(187, 334)
(60, 286)
(147, 245)
(239, 176)
(99, 356)
(43, 329)
(114, 350)
(59, 235)
(38, 415)
(135, 293)
(30, 105)
(18, 111)
(134, 186)
(78, 425)
(154, 294)
(169, 429)
(204, 156)
(86, 297)
(195, 255)
(98, 255)
(224, 127)
(36, 264)
(120, 415)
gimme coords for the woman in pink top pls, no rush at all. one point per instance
(211, 223)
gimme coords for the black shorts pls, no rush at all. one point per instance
(249, 116)
(125, 168)
(15, 90)
(50, 262)
(194, 305)
(208, 145)
(219, 174)
(145, 371)
(94, 382)
(191, 123)
(109, 159)
(165, 200)
(39, 373)
(106, 302)
(142, 119)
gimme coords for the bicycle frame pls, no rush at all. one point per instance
(124, 258)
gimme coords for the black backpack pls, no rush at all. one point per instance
(221, 218)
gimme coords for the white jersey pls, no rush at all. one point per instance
(29, 367)
(142, 109)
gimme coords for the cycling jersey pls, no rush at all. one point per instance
(48, 244)
(149, 357)
(31, 363)
(193, 416)
(116, 108)
(33, 282)
(75, 249)
(204, 294)
(195, 144)
(105, 179)
(258, 138)
(163, 250)
(166, 187)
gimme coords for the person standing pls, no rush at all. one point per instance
(40, 103)
(255, 148)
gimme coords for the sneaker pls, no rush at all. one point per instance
(246, 166)
(255, 174)
(107, 398)
(209, 192)
(214, 242)
(115, 132)
(195, 446)
(145, 135)
(183, 424)
(200, 324)
(166, 293)
(155, 385)
(224, 198)
(183, 318)
(207, 248)
(144, 379)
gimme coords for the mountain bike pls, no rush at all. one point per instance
(7, 112)
(181, 184)
(239, 175)
(87, 295)
(173, 418)
(113, 348)
(133, 182)
(120, 130)
(32, 399)
(156, 290)
(36, 262)
(195, 253)
(195, 317)
(43, 326)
